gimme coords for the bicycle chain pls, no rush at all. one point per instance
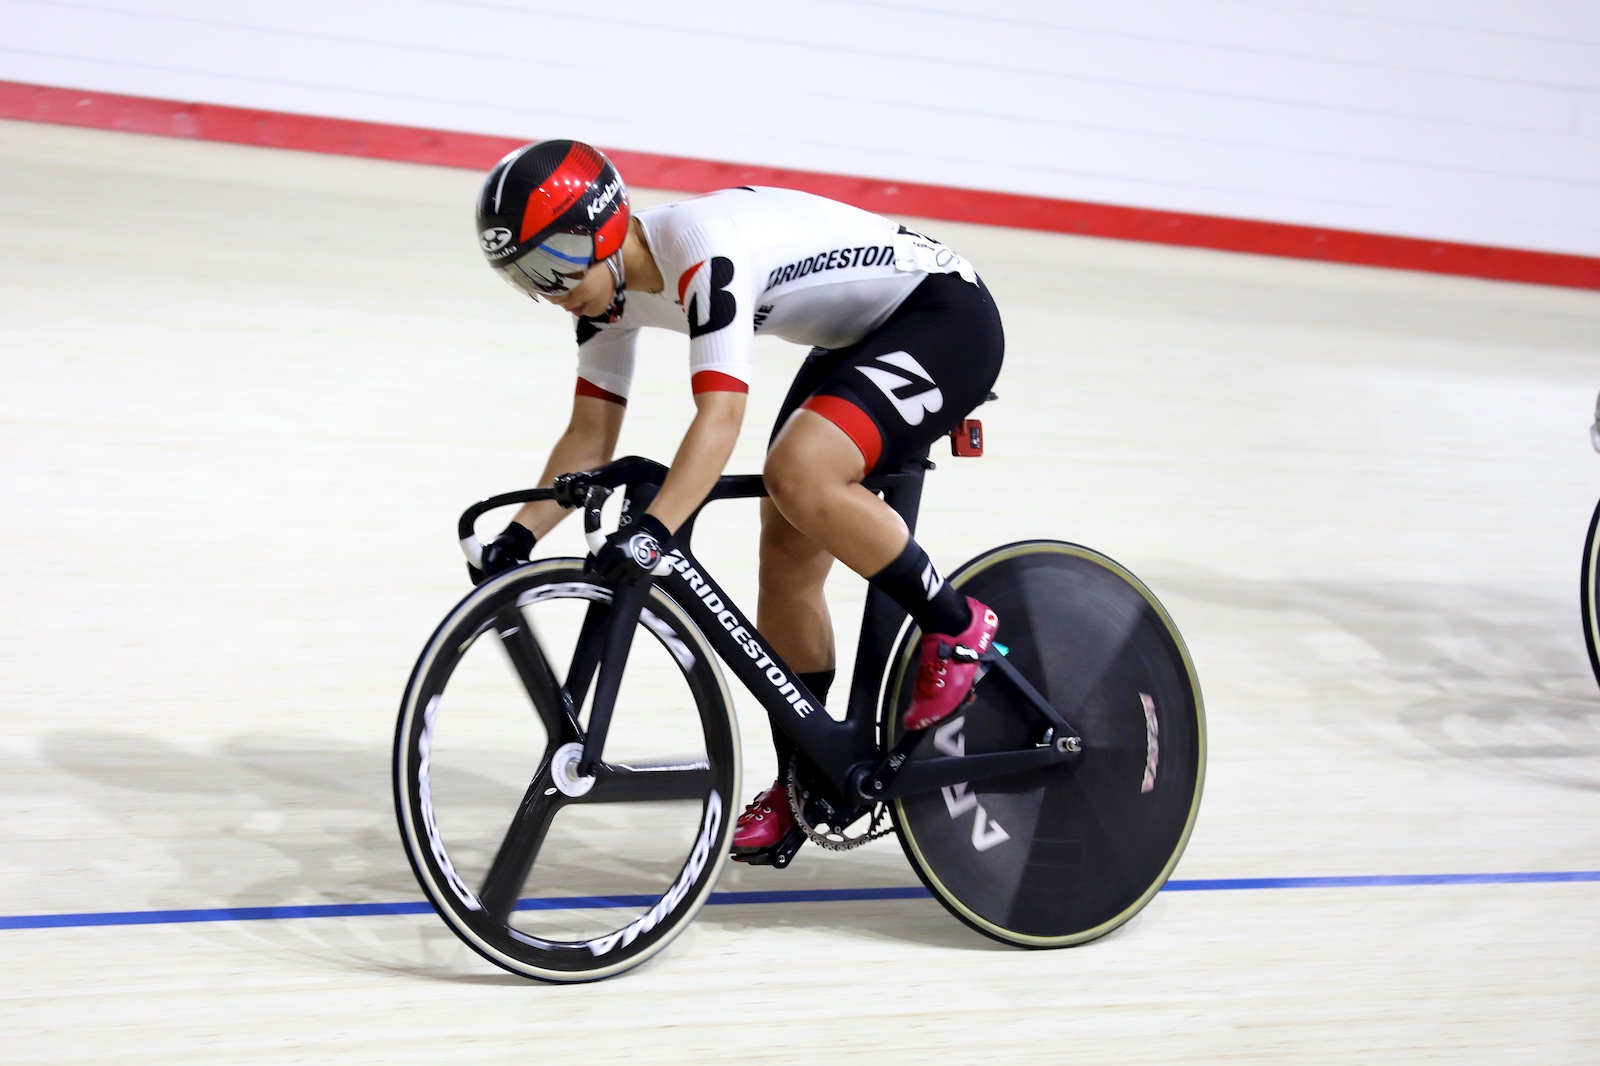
(833, 840)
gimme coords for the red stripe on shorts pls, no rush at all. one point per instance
(856, 423)
(716, 381)
(589, 388)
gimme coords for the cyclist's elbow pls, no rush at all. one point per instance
(720, 412)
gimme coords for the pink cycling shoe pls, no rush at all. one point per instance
(949, 668)
(764, 823)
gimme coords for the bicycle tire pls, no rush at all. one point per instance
(588, 881)
(1064, 855)
(1589, 593)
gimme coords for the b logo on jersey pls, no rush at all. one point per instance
(908, 386)
(704, 296)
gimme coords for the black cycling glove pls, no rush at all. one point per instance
(630, 553)
(511, 548)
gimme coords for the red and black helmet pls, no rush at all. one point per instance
(548, 212)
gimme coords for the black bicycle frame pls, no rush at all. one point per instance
(845, 753)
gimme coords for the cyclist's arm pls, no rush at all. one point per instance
(605, 373)
(701, 457)
(589, 441)
(715, 289)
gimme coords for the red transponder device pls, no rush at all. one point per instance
(967, 438)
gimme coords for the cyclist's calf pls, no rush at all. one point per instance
(791, 611)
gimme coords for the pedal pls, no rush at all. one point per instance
(776, 855)
(966, 704)
(972, 693)
(985, 663)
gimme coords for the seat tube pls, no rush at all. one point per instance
(880, 621)
(903, 493)
(881, 617)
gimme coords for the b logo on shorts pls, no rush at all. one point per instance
(915, 397)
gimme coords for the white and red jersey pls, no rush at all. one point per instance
(750, 261)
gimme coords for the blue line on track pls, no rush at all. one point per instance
(799, 895)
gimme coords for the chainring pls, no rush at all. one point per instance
(832, 839)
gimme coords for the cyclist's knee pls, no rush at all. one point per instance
(788, 482)
(797, 494)
(809, 460)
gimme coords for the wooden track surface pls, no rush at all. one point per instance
(246, 392)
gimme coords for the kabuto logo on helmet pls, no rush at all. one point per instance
(603, 201)
(495, 239)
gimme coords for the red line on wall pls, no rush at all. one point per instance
(410, 144)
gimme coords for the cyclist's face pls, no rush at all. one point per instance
(591, 296)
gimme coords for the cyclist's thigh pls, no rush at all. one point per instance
(915, 378)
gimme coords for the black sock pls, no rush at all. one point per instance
(819, 683)
(913, 583)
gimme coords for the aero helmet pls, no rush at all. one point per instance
(548, 212)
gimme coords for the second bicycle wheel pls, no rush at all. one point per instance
(546, 873)
(1061, 855)
(1589, 592)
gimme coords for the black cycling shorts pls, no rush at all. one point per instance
(910, 381)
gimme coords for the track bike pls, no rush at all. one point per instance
(1589, 576)
(567, 761)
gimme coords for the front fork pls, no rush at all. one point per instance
(619, 623)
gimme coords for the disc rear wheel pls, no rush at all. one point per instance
(1065, 854)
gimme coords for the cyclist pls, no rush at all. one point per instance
(906, 342)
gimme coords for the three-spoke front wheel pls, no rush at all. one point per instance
(545, 871)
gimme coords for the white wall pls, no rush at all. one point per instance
(1467, 120)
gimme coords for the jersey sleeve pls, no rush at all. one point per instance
(605, 360)
(717, 292)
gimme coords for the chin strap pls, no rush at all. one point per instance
(620, 294)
